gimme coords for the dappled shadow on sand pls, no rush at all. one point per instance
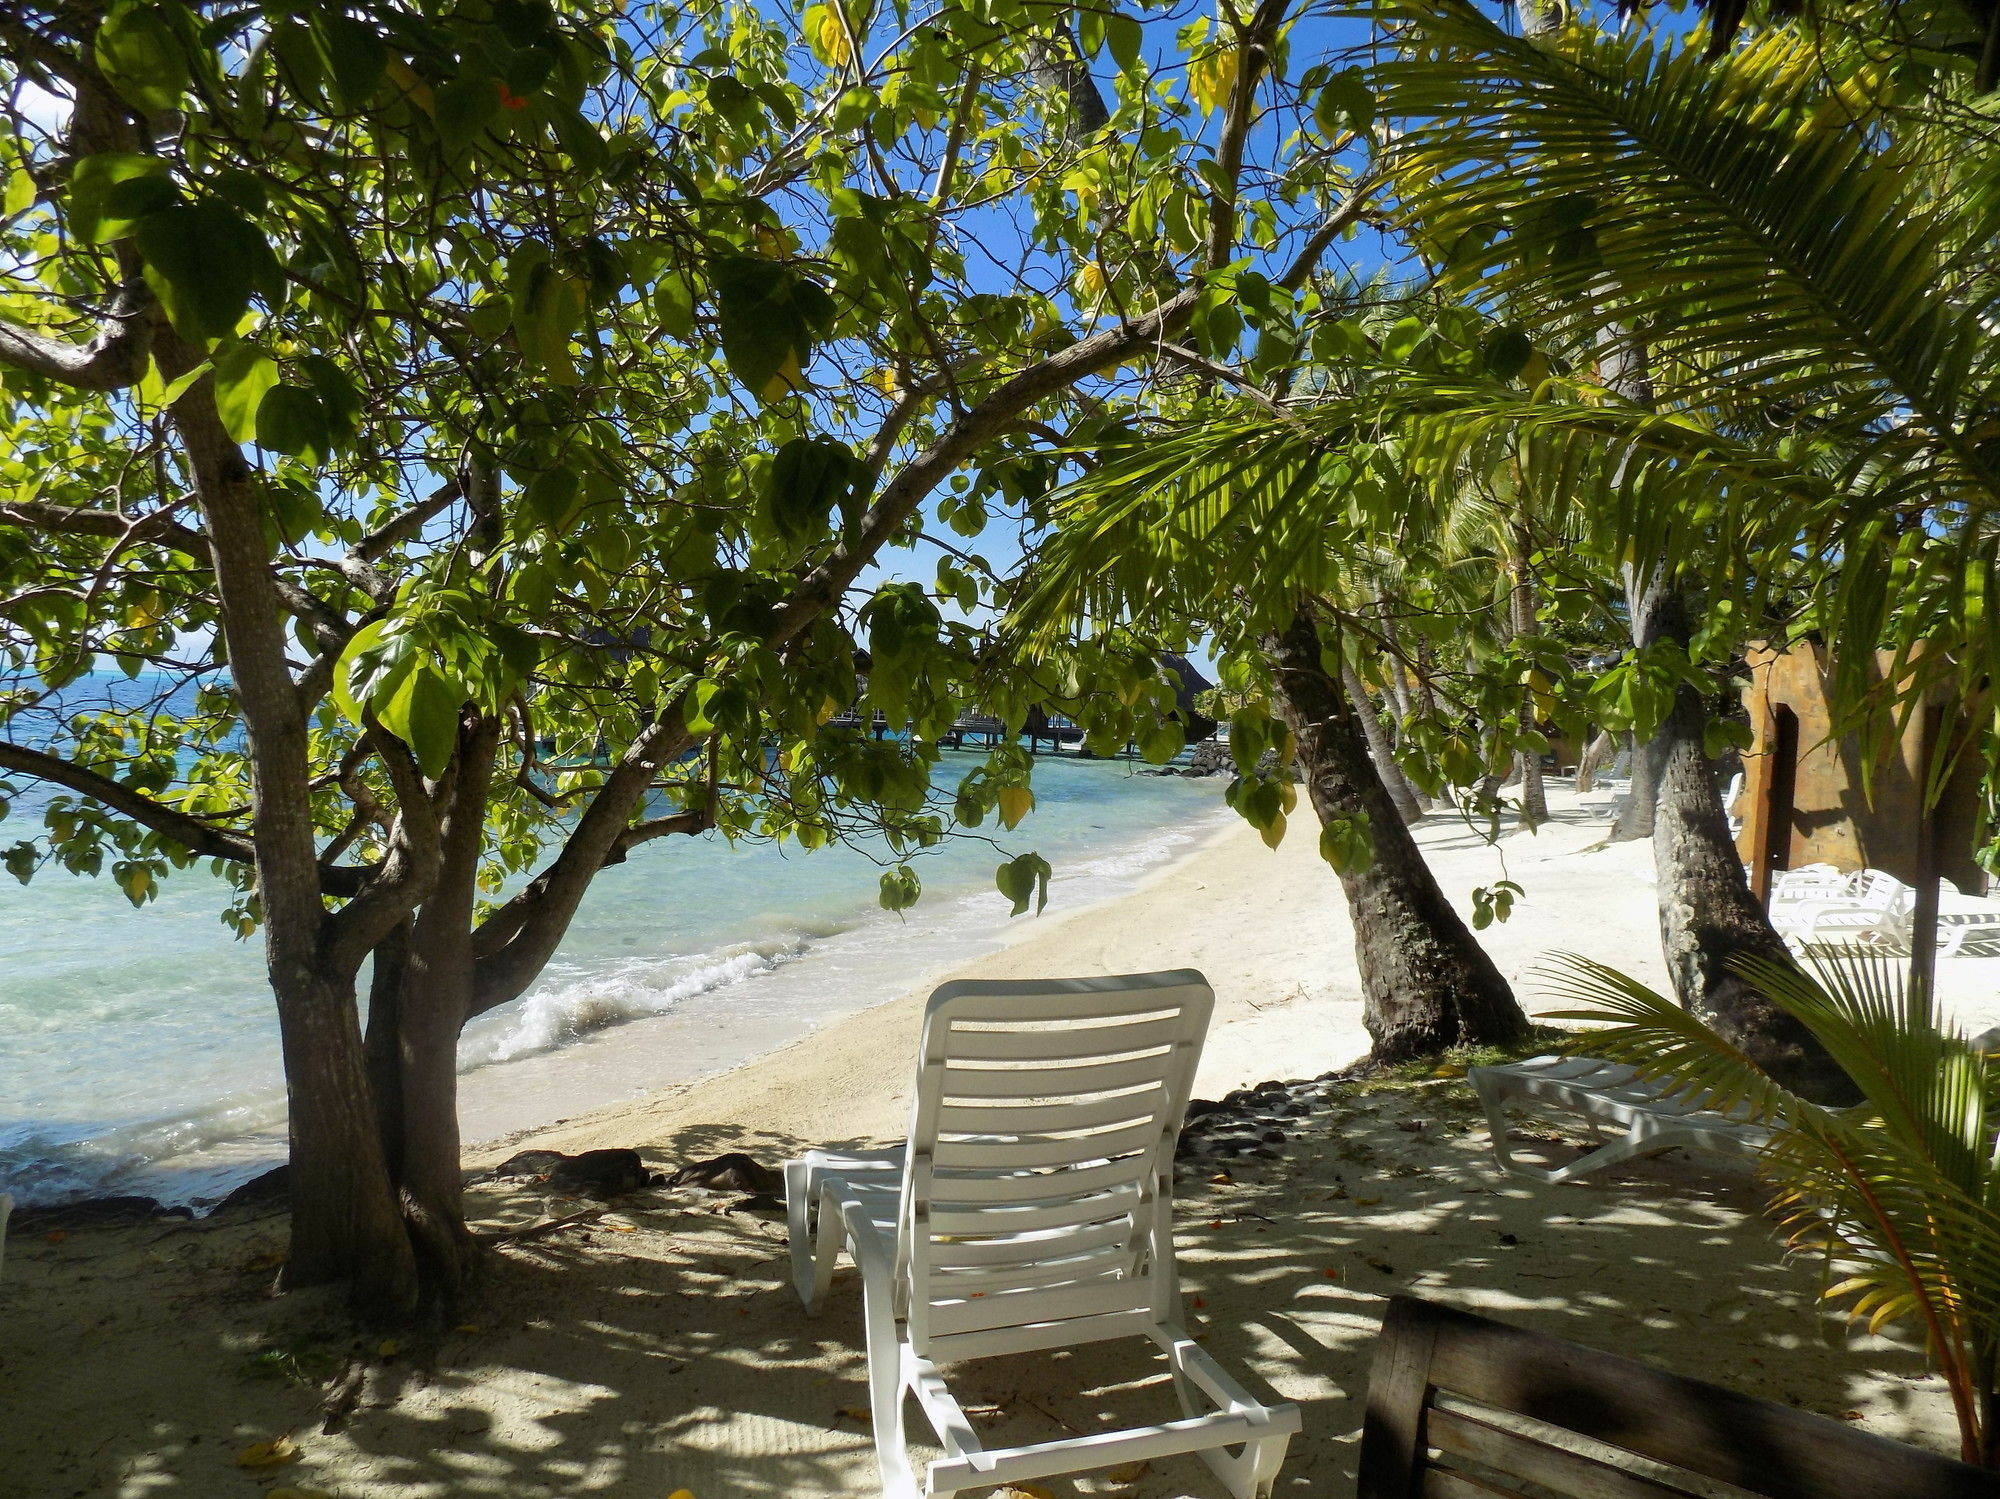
(634, 1363)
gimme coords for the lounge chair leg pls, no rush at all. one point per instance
(885, 1376)
(815, 1248)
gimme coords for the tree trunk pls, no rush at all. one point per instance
(344, 1221)
(1708, 917)
(1596, 755)
(1635, 818)
(1426, 984)
(1522, 622)
(433, 1006)
(1393, 780)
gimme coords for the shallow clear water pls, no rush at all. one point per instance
(138, 1048)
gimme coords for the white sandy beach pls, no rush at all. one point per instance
(661, 1347)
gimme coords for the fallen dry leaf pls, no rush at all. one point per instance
(1449, 1069)
(1024, 1491)
(681, 1494)
(857, 1413)
(387, 1348)
(621, 1228)
(56, 1235)
(1130, 1472)
(297, 1494)
(272, 1454)
(472, 1327)
(1366, 1202)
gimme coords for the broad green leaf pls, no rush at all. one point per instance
(291, 420)
(900, 888)
(204, 261)
(244, 375)
(140, 56)
(109, 193)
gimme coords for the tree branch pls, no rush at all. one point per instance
(113, 360)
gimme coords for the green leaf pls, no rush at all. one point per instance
(361, 646)
(548, 305)
(1123, 34)
(291, 420)
(355, 55)
(900, 888)
(140, 56)
(770, 317)
(1506, 352)
(203, 261)
(1023, 880)
(243, 377)
(551, 497)
(807, 479)
(422, 711)
(111, 191)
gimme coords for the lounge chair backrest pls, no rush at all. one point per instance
(1508, 1412)
(1036, 1200)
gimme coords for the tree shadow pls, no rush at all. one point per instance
(661, 1346)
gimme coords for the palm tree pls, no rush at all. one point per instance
(1900, 1194)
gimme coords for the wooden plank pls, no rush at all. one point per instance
(1442, 1483)
(1769, 1449)
(1393, 1447)
(1521, 1456)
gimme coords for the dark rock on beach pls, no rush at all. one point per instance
(94, 1212)
(594, 1173)
(734, 1172)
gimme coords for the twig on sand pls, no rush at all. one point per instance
(342, 1395)
(541, 1230)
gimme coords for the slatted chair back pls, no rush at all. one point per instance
(1463, 1408)
(1036, 1204)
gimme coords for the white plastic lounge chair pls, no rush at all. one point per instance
(1871, 906)
(1031, 1209)
(1608, 1093)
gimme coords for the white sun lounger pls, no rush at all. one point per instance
(1608, 1093)
(1031, 1209)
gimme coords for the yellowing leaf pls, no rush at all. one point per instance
(681, 1494)
(297, 1494)
(829, 35)
(387, 1348)
(1025, 1491)
(467, 1327)
(1016, 802)
(1091, 280)
(1130, 1472)
(789, 377)
(857, 1413)
(272, 1454)
(1212, 79)
(1273, 832)
(414, 88)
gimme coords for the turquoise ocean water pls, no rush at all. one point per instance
(139, 1052)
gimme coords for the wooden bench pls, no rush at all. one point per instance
(1463, 1408)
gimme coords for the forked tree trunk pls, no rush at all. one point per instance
(1401, 792)
(1596, 755)
(1708, 917)
(1426, 984)
(344, 1222)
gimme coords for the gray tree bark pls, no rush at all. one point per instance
(1426, 982)
(1401, 792)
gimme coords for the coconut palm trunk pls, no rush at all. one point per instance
(1426, 983)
